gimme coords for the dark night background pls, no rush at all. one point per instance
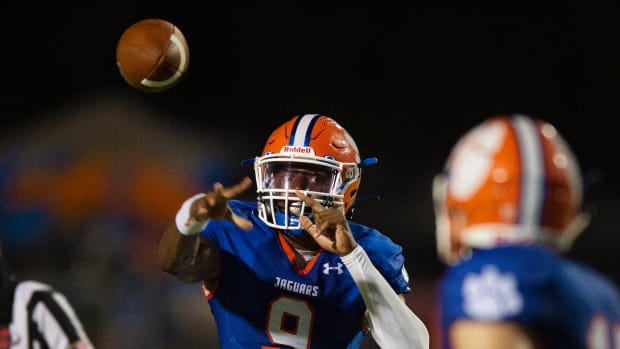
(405, 81)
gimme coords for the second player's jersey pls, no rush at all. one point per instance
(565, 304)
(262, 301)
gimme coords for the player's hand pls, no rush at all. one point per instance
(330, 228)
(214, 205)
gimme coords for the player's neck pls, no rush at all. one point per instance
(304, 242)
(303, 249)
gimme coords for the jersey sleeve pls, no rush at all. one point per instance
(242, 209)
(385, 255)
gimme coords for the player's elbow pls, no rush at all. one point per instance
(167, 262)
(424, 337)
(419, 336)
(202, 266)
(174, 266)
(166, 266)
(173, 263)
(177, 270)
(190, 274)
(189, 278)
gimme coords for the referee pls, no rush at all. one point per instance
(34, 315)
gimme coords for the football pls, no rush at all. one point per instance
(152, 55)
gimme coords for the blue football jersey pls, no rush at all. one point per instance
(566, 304)
(263, 301)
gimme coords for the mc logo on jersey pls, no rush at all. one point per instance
(327, 268)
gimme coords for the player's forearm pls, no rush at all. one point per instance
(189, 258)
(176, 251)
(183, 253)
(393, 324)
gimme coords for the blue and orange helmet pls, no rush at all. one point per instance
(321, 149)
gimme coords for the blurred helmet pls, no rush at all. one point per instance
(311, 153)
(511, 179)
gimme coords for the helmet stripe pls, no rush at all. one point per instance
(532, 171)
(302, 130)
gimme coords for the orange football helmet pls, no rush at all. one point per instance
(511, 179)
(316, 145)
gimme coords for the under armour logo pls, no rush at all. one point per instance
(327, 268)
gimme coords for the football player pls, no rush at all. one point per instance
(290, 270)
(508, 204)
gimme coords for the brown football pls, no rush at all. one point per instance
(152, 55)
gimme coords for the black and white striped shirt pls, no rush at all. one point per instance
(40, 318)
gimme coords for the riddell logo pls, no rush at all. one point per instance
(297, 150)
